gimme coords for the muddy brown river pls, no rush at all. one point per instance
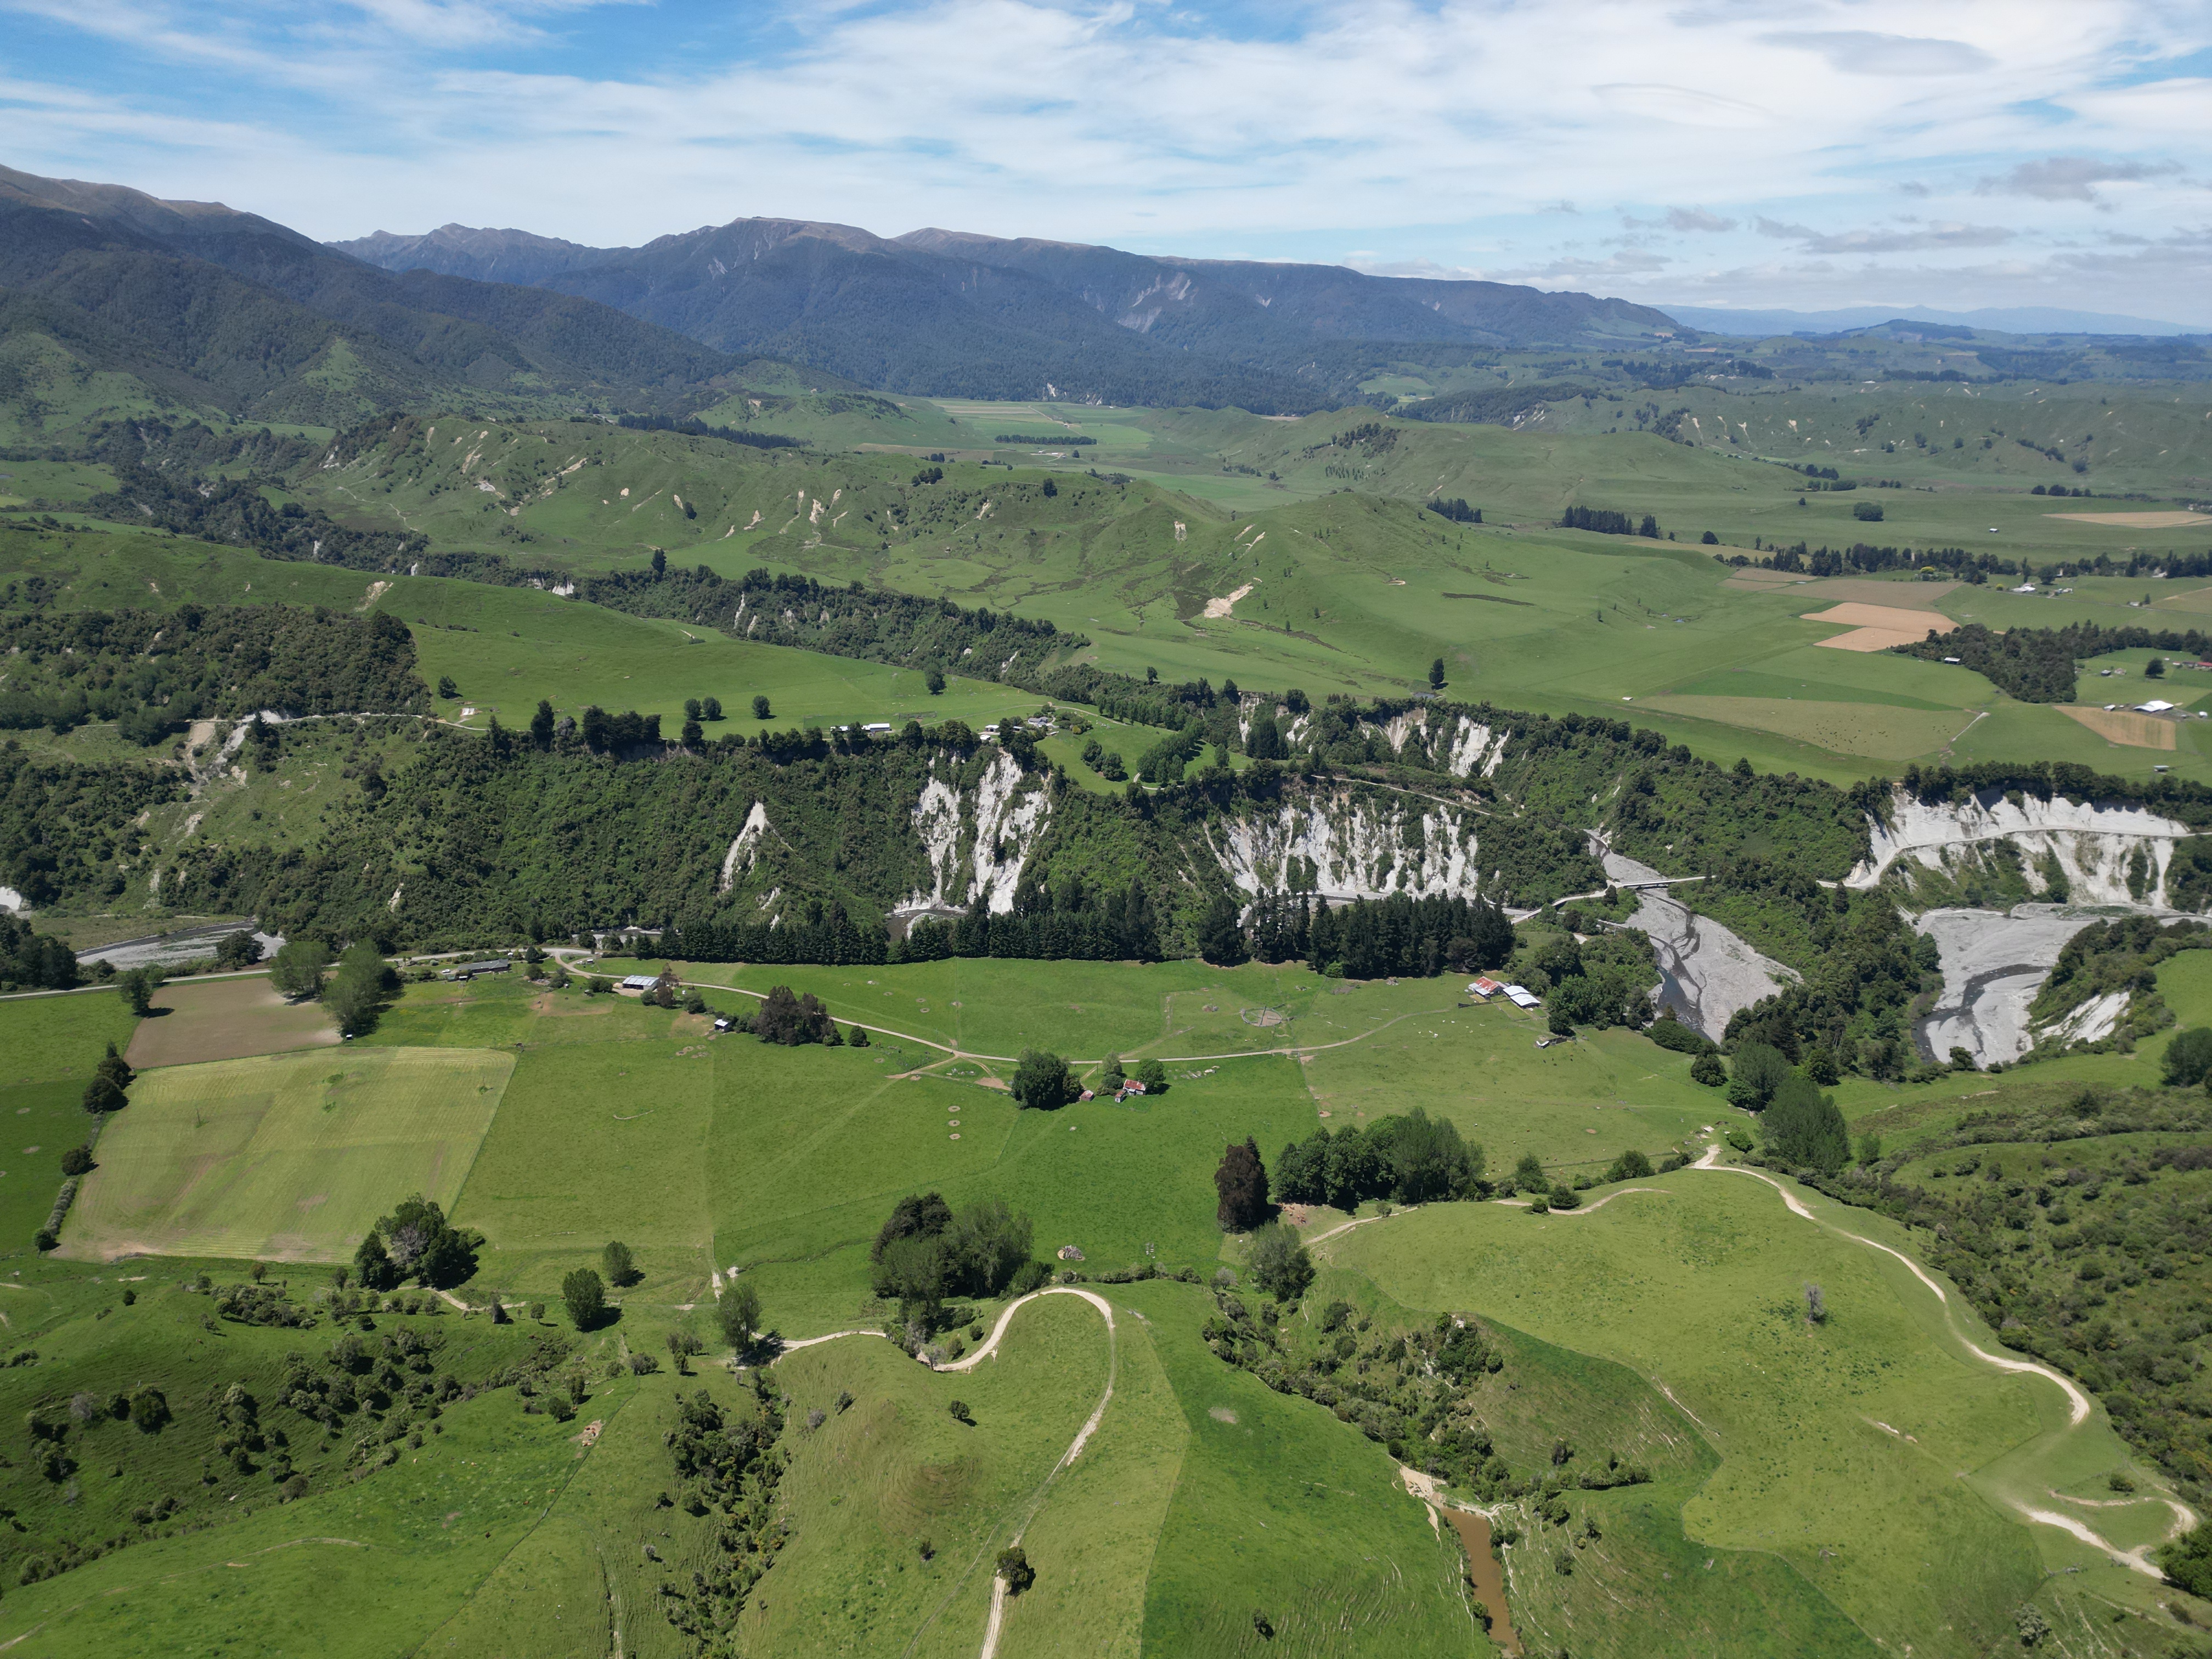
(1487, 1575)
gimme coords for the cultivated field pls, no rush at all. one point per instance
(289, 1158)
(226, 1019)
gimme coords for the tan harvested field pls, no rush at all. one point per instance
(1846, 728)
(1871, 638)
(285, 1157)
(1864, 590)
(1878, 627)
(2125, 726)
(226, 1019)
(2138, 520)
(1854, 614)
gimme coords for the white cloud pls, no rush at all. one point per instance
(1442, 132)
(1856, 52)
(2069, 177)
(1912, 238)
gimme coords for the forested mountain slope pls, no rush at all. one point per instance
(974, 316)
(232, 308)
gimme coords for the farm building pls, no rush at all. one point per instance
(490, 965)
(1486, 988)
(1521, 996)
(640, 982)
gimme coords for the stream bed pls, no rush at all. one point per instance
(1485, 1572)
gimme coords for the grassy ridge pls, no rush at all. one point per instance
(1699, 1287)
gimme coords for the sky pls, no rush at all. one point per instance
(1798, 154)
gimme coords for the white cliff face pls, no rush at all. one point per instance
(999, 825)
(1475, 747)
(1465, 745)
(1357, 848)
(937, 822)
(2094, 843)
(745, 846)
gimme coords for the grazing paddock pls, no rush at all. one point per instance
(1885, 596)
(1849, 728)
(289, 1157)
(2125, 726)
(45, 1039)
(226, 1019)
(2137, 521)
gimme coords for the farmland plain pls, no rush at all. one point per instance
(286, 1157)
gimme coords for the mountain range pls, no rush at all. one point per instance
(1995, 319)
(954, 313)
(210, 306)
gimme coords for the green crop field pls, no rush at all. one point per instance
(290, 1156)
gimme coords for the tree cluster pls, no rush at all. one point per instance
(152, 672)
(1413, 1159)
(416, 1241)
(925, 1252)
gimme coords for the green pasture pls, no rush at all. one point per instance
(49, 1039)
(110, 567)
(895, 1468)
(1088, 1010)
(836, 420)
(506, 647)
(315, 1574)
(1642, 1585)
(811, 1148)
(1842, 1444)
(286, 1157)
(1577, 1105)
(1303, 1517)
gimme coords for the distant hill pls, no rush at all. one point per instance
(213, 307)
(950, 313)
(2007, 320)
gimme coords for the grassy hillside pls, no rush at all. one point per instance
(1367, 593)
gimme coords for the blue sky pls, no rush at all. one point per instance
(1779, 152)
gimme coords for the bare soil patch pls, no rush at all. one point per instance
(226, 1019)
(2122, 726)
